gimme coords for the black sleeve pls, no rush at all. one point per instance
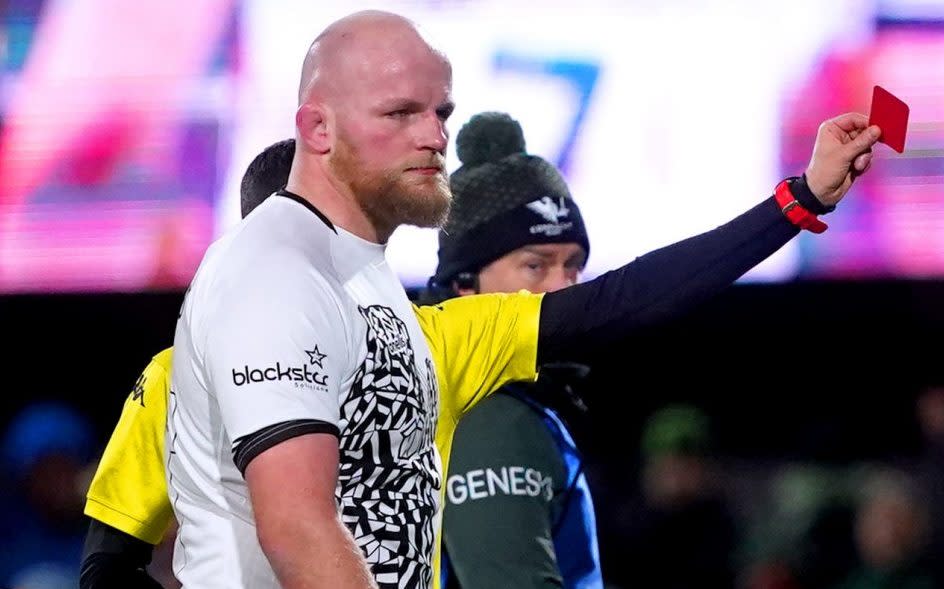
(663, 283)
(112, 560)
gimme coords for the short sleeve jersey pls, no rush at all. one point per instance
(128, 491)
(293, 326)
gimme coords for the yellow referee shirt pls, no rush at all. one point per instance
(478, 343)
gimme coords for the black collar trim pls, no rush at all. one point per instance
(307, 205)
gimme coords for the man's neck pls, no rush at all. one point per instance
(335, 201)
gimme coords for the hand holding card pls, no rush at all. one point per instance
(890, 114)
(842, 152)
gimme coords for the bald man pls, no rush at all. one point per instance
(302, 381)
(305, 399)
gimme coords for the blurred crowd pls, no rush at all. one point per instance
(684, 517)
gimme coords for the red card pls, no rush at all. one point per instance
(891, 116)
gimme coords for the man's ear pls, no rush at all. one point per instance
(311, 120)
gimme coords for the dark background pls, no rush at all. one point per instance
(815, 373)
(811, 370)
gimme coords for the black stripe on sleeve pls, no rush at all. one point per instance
(248, 447)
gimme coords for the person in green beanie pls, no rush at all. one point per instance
(516, 472)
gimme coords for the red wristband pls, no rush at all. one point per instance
(795, 212)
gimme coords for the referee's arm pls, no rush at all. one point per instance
(114, 560)
(659, 285)
(669, 280)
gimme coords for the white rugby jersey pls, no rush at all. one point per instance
(294, 326)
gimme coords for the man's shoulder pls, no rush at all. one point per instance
(474, 305)
(164, 359)
(456, 314)
(284, 229)
(270, 249)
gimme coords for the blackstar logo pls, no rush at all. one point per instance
(302, 376)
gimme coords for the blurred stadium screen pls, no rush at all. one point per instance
(121, 152)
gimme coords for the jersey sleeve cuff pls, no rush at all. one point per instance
(151, 533)
(248, 447)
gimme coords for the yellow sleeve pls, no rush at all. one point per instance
(129, 491)
(479, 343)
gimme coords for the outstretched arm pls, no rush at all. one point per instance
(662, 284)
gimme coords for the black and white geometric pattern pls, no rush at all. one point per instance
(389, 480)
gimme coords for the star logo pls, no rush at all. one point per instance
(315, 357)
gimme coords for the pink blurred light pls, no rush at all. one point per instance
(126, 246)
(100, 79)
(104, 80)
